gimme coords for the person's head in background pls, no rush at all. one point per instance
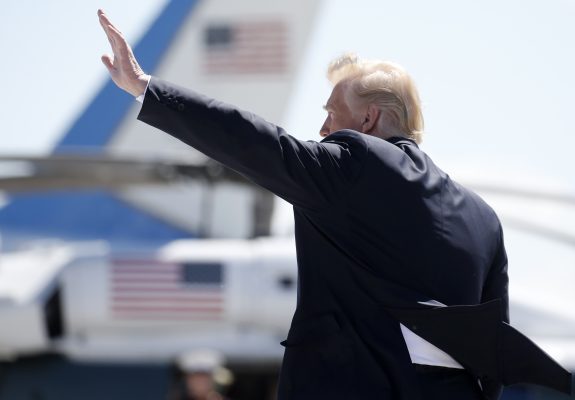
(201, 369)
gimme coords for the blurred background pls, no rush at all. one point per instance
(133, 266)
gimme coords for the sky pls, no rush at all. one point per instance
(495, 77)
(51, 64)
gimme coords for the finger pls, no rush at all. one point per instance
(106, 23)
(111, 39)
(113, 34)
(116, 38)
(121, 48)
(109, 34)
(108, 61)
(115, 31)
(103, 18)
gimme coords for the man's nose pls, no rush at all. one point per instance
(324, 131)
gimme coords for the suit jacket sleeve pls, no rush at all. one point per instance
(308, 174)
(496, 285)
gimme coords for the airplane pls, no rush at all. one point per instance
(117, 197)
(100, 280)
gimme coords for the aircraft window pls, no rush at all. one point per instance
(53, 315)
(203, 273)
(286, 282)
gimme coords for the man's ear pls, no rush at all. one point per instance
(371, 118)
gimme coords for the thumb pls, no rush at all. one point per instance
(108, 61)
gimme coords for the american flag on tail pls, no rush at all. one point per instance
(150, 289)
(246, 47)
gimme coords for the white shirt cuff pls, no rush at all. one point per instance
(140, 98)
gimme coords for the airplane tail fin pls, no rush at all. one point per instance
(246, 53)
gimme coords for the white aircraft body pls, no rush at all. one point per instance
(91, 304)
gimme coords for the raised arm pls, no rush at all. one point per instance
(307, 174)
(310, 175)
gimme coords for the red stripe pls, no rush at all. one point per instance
(160, 289)
(230, 59)
(244, 70)
(244, 65)
(138, 262)
(249, 40)
(151, 283)
(200, 309)
(274, 26)
(177, 317)
(244, 62)
(247, 54)
(152, 276)
(145, 270)
(125, 279)
(128, 299)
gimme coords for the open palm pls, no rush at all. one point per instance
(122, 65)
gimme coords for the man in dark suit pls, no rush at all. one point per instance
(385, 239)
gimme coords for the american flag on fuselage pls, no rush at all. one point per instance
(151, 289)
(246, 47)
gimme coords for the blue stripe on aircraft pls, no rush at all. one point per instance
(99, 122)
(82, 215)
(99, 214)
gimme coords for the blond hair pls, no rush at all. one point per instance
(386, 85)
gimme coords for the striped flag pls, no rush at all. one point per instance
(256, 47)
(150, 289)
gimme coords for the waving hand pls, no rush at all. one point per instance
(122, 65)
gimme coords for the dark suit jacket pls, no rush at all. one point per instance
(378, 228)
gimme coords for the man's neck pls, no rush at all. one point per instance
(388, 133)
